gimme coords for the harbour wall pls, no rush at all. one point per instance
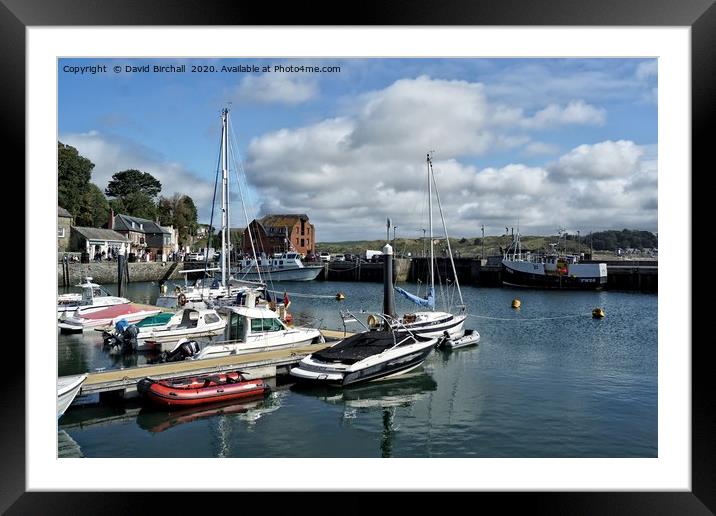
(106, 272)
(621, 274)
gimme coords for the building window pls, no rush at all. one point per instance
(60, 232)
(302, 244)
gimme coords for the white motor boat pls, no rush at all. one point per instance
(107, 316)
(279, 267)
(67, 389)
(249, 328)
(366, 356)
(93, 297)
(186, 323)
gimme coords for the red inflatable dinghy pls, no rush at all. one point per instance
(200, 390)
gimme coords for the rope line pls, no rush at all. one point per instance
(573, 316)
(298, 294)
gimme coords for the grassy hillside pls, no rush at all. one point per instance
(462, 247)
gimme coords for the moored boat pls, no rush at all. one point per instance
(470, 338)
(106, 317)
(366, 356)
(199, 390)
(92, 299)
(67, 389)
(433, 323)
(279, 267)
(553, 270)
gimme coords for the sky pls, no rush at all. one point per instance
(542, 144)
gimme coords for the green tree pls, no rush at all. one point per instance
(132, 181)
(73, 175)
(94, 208)
(180, 212)
(136, 204)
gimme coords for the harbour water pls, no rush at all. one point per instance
(546, 380)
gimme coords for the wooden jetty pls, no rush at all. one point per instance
(263, 364)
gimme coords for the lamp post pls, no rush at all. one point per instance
(483, 241)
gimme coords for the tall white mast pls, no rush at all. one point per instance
(430, 217)
(224, 190)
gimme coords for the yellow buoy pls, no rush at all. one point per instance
(340, 296)
(598, 313)
(516, 303)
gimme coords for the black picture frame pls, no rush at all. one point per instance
(700, 15)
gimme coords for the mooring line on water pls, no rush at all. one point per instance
(573, 316)
(298, 294)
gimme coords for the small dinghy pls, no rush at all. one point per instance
(470, 338)
(67, 389)
(198, 390)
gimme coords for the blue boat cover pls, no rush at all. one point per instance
(428, 301)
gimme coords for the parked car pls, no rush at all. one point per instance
(196, 257)
(325, 256)
(311, 257)
(338, 258)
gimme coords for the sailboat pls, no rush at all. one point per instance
(208, 289)
(433, 323)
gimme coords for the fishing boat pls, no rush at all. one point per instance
(553, 270)
(279, 267)
(200, 390)
(107, 316)
(67, 389)
(366, 356)
(186, 323)
(92, 298)
(434, 323)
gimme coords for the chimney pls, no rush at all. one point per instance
(110, 225)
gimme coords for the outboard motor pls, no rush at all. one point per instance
(122, 340)
(184, 350)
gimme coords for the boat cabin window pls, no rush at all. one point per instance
(190, 319)
(271, 324)
(236, 327)
(211, 318)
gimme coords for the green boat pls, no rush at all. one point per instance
(160, 319)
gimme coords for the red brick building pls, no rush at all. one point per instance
(281, 233)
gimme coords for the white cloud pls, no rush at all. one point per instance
(647, 69)
(540, 148)
(575, 112)
(350, 173)
(111, 155)
(602, 160)
(278, 88)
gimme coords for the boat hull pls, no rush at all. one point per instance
(131, 314)
(307, 273)
(67, 390)
(526, 274)
(435, 327)
(386, 365)
(470, 338)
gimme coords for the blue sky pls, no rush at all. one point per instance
(554, 142)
